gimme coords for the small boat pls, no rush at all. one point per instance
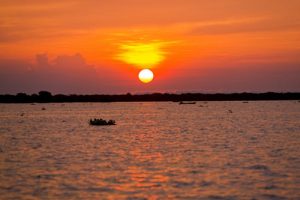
(181, 102)
(101, 122)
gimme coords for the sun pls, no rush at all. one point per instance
(146, 75)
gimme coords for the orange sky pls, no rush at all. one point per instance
(191, 45)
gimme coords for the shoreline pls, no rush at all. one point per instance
(47, 97)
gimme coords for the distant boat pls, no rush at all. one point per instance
(181, 102)
(102, 122)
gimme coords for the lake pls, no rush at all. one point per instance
(157, 150)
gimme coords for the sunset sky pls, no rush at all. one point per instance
(96, 46)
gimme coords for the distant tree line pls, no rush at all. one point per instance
(47, 97)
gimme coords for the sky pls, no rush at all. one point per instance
(92, 46)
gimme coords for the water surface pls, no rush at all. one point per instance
(156, 151)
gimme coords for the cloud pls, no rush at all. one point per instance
(52, 19)
(64, 74)
(71, 74)
(250, 25)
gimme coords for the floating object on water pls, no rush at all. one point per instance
(36, 146)
(230, 111)
(101, 122)
(245, 102)
(43, 108)
(22, 114)
(181, 102)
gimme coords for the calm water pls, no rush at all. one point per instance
(156, 151)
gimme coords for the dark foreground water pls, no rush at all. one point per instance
(156, 151)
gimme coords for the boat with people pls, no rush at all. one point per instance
(102, 122)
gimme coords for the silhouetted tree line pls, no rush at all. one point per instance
(47, 97)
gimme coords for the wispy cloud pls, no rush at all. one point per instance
(247, 25)
(36, 19)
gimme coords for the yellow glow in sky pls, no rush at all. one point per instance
(142, 55)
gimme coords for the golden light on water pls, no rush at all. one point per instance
(146, 75)
(142, 54)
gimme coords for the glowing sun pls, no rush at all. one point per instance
(146, 75)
